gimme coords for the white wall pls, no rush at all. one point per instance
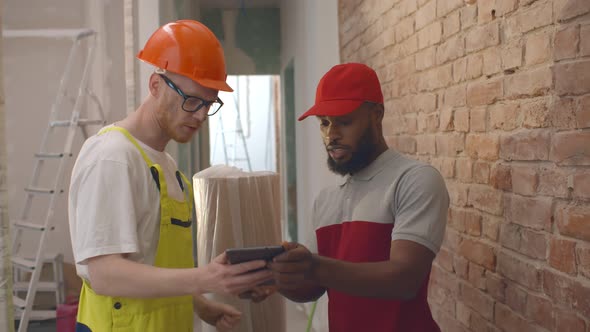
(148, 21)
(310, 37)
(34, 66)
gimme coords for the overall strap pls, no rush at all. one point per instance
(130, 138)
(188, 189)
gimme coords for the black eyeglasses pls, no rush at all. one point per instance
(194, 104)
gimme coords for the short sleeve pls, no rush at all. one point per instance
(310, 239)
(104, 213)
(420, 208)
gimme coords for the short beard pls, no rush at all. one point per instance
(360, 159)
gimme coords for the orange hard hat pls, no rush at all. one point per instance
(188, 48)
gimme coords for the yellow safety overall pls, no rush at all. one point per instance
(99, 313)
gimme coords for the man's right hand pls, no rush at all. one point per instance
(292, 267)
(293, 273)
(223, 278)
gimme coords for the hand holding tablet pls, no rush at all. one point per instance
(240, 255)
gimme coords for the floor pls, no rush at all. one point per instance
(296, 321)
(42, 326)
(296, 318)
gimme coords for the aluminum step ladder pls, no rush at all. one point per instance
(27, 270)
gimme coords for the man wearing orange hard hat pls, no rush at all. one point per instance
(130, 209)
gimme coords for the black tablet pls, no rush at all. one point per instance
(240, 255)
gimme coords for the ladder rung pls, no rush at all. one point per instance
(46, 155)
(39, 190)
(42, 314)
(51, 257)
(60, 123)
(39, 314)
(81, 122)
(48, 258)
(29, 264)
(88, 122)
(29, 225)
(18, 302)
(23, 263)
(42, 286)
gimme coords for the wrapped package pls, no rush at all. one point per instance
(236, 209)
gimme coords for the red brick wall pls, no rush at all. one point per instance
(496, 95)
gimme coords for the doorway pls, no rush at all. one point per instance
(243, 133)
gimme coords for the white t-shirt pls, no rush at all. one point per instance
(114, 203)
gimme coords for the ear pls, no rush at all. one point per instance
(379, 113)
(154, 85)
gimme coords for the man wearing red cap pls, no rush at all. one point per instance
(378, 232)
(130, 209)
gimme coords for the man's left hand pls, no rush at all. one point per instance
(259, 293)
(224, 317)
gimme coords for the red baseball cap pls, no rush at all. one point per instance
(344, 88)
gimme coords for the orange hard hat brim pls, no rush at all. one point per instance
(215, 85)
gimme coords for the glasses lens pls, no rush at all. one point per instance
(191, 104)
(215, 106)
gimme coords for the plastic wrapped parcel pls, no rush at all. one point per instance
(237, 209)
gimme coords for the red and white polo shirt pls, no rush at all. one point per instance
(391, 199)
